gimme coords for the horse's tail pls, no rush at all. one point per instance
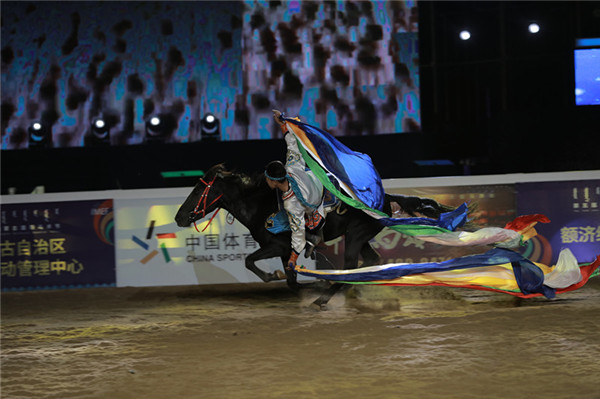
(419, 206)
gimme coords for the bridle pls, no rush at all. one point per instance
(202, 203)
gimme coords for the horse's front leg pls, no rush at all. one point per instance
(263, 253)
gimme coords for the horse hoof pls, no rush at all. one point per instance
(316, 305)
(279, 275)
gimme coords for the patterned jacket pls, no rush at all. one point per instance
(305, 195)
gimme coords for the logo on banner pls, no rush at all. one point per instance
(144, 244)
(585, 199)
(538, 249)
(219, 247)
(104, 222)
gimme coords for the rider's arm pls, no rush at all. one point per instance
(293, 159)
(295, 212)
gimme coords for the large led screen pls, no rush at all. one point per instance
(587, 76)
(96, 73)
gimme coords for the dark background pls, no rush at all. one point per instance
(502, 102)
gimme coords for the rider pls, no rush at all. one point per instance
(302, 196)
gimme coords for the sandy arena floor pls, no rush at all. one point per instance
(261, 341)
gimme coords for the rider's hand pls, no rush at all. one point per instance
(277, 117)
(291, 264)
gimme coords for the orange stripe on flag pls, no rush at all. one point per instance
(302, 136)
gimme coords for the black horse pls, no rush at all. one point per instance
(251, 202)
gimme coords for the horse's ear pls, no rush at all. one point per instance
(221, 170)
(215, 170)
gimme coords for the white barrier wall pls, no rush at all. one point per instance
(149, 248)
(152, 250)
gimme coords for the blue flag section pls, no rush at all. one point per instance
(492, 257)
(530, 279)
(354, 170)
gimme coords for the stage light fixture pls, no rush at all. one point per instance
(533, 28)
(100, 128)
(100, 132)
(153, 128)
(160, 127)
(209, 127)
(464, 35)
(155, 121)
(40, 135)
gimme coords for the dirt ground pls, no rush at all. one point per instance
(262, 341)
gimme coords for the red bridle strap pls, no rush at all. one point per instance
(209, 222)
(202, 203)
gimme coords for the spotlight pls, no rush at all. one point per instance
(533, 28)
(40, 135)
(464, 35)
(209, 127)
(155, 121)
(100, 130)
(153, 128)
(99, 124)
(160, 127)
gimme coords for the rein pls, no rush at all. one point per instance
(202, 203)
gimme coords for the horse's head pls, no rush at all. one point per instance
(204, 198)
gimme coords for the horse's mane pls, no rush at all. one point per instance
(220, 170)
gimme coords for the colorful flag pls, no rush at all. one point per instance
(498, 270)
(360, 187)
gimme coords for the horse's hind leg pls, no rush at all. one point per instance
(369, 255)
(261, 253)
(351, 252)
(321, 302)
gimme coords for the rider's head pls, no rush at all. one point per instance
(276, 175)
